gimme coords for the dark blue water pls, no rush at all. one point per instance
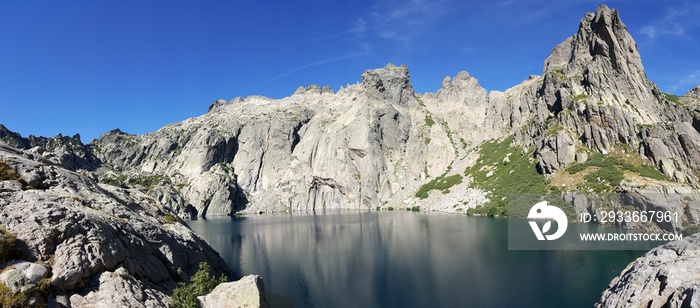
(405, 259)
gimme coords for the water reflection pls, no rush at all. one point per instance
(403, 259)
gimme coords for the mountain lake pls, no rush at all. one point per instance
(405, 259)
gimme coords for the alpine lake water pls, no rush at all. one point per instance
(405, 259)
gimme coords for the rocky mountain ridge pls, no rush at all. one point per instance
(377, 143)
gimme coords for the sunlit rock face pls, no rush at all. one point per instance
(376, 142)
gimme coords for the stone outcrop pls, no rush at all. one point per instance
(246, 292)
(667, 276)
(95, 243)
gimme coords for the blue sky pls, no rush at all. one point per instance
(90, 66)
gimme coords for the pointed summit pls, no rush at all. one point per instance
(600, 64)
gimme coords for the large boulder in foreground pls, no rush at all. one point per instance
(666, 276)
(246, 292)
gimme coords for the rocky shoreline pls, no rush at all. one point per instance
(73, 242)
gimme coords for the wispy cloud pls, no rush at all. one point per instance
(324, 61)
(403, 21)
(358, 29)
(690, 80)
(675, 22)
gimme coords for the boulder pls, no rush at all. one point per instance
(246, 292)
(666, 276)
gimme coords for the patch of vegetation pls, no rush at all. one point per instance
(118, 180)
(415, 208)
(429, 120)
(611, 166)
(427, 140)
(420, 101)
(560, 74)
(7, 173)
(672, 98)
(7, 245)
(520, 176)
(8, 299)
(170, 218)
(37, 295)
(464, 143)
(391, 208)
(690, 230)
(149, 181)
(552, 130)
(604, 179)
(439, 183)
(581, 97)
(185, 295)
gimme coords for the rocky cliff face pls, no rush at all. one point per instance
(87, 244)
(666, 276)
(598, 94)
(377, 143)
(313, 150)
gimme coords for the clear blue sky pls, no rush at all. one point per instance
(90, 66)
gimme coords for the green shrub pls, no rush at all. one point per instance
(170, 218)
(552, 130)
(149, 181)
(439, 183)
(391, 208)
(429, 120)
(690, 230)
(185, 295)
(581, 97)
(604, 179)
(415, 208)
(672, 98)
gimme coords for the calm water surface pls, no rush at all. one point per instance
(405, 259)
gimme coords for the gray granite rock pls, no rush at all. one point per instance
(667, 276)
(246, 292)
(80, 230)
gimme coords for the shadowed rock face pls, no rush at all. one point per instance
(377, 141)
(666, 276)
(100, 242)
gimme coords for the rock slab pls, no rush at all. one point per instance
(246, 292)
